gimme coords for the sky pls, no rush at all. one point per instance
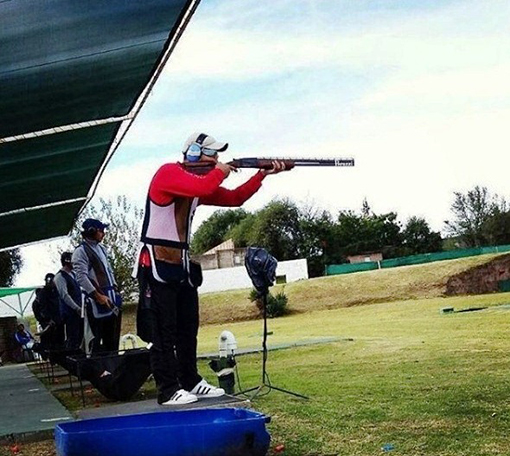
(416, 91)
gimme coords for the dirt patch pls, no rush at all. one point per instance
(481, 279)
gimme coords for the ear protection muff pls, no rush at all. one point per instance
(89, 232)
(194, 151)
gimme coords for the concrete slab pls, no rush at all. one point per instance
(151, 406)
(28, 411)
(271, 347)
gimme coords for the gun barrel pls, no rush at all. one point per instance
(291, 162)
(324, 162)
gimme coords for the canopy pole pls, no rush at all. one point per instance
(20, 306)
(9, 306)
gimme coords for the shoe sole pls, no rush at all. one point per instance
(178, 402)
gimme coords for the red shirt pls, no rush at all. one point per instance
(173, 180)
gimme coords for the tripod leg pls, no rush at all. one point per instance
(287, 391)
(265, 377)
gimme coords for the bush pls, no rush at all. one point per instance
(276, 305)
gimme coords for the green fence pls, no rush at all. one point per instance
(334, 269)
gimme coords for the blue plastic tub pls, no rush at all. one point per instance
(200, 432)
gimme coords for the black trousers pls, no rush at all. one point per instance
(74, 331)
(174, 307)
(106, 332)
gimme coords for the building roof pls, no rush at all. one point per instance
(227, 245)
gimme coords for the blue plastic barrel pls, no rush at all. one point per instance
(200, 432)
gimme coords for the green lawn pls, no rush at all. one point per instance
(399, 372)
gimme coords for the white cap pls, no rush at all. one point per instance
(207, 142)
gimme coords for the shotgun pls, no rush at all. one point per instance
(267, 163)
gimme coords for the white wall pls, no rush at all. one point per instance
(236, 278)
(214, 280)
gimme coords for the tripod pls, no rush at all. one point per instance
(266, 383)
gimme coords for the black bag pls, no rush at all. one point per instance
(195, 274)
(261, 267)
(118, 377)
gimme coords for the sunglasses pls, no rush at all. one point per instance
(195, 151)
(209, 152)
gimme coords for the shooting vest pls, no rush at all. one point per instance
(103, 282)
(166, 233)
(74, 291)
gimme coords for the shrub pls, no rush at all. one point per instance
(276, 305)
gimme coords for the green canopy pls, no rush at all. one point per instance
(12, 301)
(14, 291)
(73, 76)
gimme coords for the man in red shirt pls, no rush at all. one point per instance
(168, 279)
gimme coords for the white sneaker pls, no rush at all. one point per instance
(203, 389)
(181, 397)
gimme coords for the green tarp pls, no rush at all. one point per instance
(70, 61)
(52, 168)
(14, 291)
(84, 64)
(44, 223)
(347, 268)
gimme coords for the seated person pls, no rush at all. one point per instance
(27, 344)
(23, 337)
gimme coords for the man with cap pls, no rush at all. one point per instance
(165, 271)
(69, 293)
(95, 276)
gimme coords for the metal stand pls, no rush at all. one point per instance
(266, 383)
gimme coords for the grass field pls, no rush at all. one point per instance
(400, 372)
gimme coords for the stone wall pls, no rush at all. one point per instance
(221, 259)
(8, 327)
(480, 279)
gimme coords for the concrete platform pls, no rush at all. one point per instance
(28, 411)
(151, 406)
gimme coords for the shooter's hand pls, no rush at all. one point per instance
(278, 167)
(103, 300)
(226, 169)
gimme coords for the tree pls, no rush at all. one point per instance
(10, 265)
(496, 229)
(122, 236)
(365, 208)
(276, 228)
(240, 233)
(419, 238)
(357, 234)
(316, 235)
(470, 211)
(214, 230)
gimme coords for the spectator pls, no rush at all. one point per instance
(47, 313)
(26, 343)
(70, 302)
(95, 276)
(23, 337)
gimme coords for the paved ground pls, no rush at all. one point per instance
(150, 406)
(28, 410)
